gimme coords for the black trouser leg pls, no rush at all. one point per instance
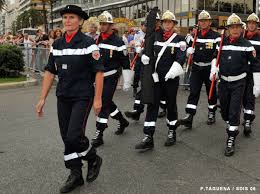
(163, 100)
(212, 103)
(109, 88)
(152, 111)
(137, 70)
(249, 99)
(73, 117)
(138, 106)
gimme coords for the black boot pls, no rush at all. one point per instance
(74, 180)
(146, 143)
(247, 128)
(230, 145)
(121, 126)
(187, 121)
(211, 118)
(171, 139)
(93, 169)
(98, 139)
(134, 115)
(162, 113)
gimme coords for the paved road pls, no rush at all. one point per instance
(31, 153)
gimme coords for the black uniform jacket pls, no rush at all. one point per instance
(76, 64)
(175, 51)
(113, 53)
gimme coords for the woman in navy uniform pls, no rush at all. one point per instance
(75, 59)
(170, 51)
(237, 59)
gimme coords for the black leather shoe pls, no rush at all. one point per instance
(162, 114)
(230, 145)
(134, 115)
(93, 169)
(211, 118)
(98, 139)
(122, 125)
(145, 144)
(247, 128)
(171, 139)
(187, 121)
(74, 180)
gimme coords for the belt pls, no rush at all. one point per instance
(233, 78)
(108, 73)
(201, 64)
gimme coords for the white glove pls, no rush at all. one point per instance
(128, 76)
(175, 71)
(138, 49)
(190, 51)
(214, 70)
(145, 59)
(256, 89)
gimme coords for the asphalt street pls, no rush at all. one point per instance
(31, 152)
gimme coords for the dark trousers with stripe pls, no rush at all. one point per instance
(231, 96)
(249, 99)
(169, 89)
(200, 75)
(108, 105)
(73, 116)
(137, 69)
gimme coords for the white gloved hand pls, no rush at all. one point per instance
(214, 70)
(128, 76)
(190, 51)
(145, 59)
(175, 71)
(256, 89)
(138, 49)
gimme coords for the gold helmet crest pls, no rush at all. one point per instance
(204, 15)
(253, 17)
(105, 17)
(168, 15)
(234, 19)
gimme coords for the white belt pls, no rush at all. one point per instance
(233, 78)
(202, 64)
(108, 73)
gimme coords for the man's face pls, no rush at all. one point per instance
(105, 27)
(204, 24)
(252, 26)
(235, 30)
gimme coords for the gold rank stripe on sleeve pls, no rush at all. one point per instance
(71, 52)
(112, 47)
(236, 48)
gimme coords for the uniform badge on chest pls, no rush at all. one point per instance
(64, 66)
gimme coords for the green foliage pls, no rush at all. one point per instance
(11, 60)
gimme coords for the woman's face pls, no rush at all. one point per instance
(58, 33)
(92, 29)
(71, 22)
(168, 25)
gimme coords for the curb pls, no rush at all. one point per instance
(31, 82)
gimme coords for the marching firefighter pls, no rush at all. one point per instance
(202, 56)
(75, 59)
(113, 56)
(170, 51)
(237, 59)
(138, 107)
(249, 98)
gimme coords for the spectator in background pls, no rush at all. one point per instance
(125, 37)
(130, 38)
(58, 33)
(92, 31)
(51, 37)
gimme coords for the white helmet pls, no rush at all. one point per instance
(253, 17)
(105, 17)
(204, 15)
(234, 19)
(168, 15)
